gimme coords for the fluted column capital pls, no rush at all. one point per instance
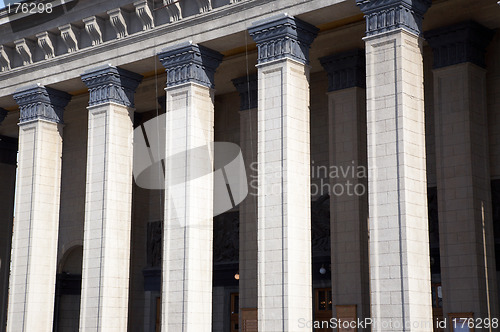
(247, 88)
(459, 43)
(39, 102)
(283, 36)
(108, 84)
(190, 63)
(345, 70)
(387, 15)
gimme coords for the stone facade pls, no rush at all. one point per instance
(370, 139)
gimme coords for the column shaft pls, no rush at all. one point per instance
(468, 273)
(284, 230)
(187, 282)
(189, 180)
(106, 246)
(284, 195)
(399, 245)
(464, 197)
(398, 226)
(35, 236)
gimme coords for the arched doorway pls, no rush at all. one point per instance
(68, 291)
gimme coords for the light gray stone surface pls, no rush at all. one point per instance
(284, 219)
(464, 194)
(188, 228)
(34, 242)
(106, 254)
(398, 230)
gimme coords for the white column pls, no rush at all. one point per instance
(349, 191)
(34, 242)
(106, 246)
(466, 238)
(398, 227)
(8, 163)
(247, 88)
(284, 198)
(188, 223)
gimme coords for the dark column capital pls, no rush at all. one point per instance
(3, 114)
(8, 150)
(190, 63)
(162, 101)
(247, 88)
(345, 70)
(108, 84)
(459, 43)
(38, 102)
(387, 15)
(282, 37)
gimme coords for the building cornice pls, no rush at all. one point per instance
(345, 70)
(190, 63)
(459, 43)
(283, 36)
(111, 84)
(137, 46)
(95, 27)
(37, 102)
(386, 15)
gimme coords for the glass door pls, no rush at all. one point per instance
(323, 308)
